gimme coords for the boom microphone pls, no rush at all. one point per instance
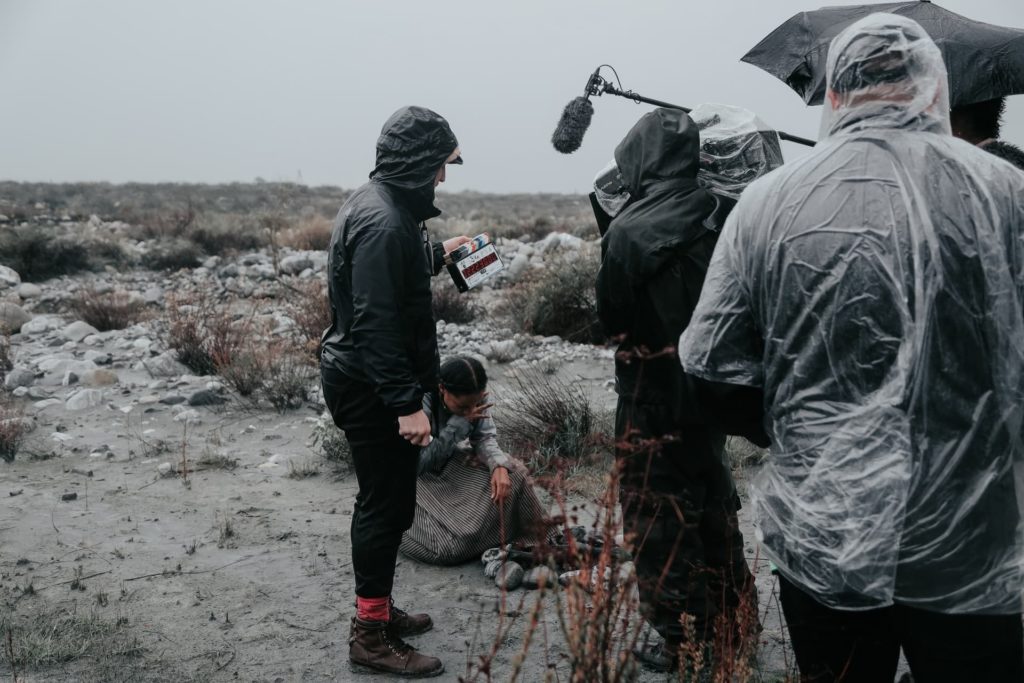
(575, 120)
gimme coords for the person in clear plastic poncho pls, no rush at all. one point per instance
(874, 290)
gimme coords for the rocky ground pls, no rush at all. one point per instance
(206, 532)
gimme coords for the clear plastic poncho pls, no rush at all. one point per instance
(736, 148)
(875, 290)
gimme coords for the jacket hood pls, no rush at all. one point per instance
(885, 72)
(413, 144)
(663, 145)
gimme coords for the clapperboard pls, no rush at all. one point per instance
(473, 262)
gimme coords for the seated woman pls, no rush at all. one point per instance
(470, 496)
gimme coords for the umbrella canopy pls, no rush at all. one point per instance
(983, 61)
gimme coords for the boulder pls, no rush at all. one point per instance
(19, 377)
(77, 331)
(40, 325)
(27, 290)
(206, 397)
(164, 365)
(294, 264)
(84, 399)
(12, 317)
(9, 277)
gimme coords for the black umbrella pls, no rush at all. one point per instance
(983, 61)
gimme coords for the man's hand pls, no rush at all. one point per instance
(454, 243)
(501, 485)
(415, 428)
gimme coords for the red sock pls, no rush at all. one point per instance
(373, 609)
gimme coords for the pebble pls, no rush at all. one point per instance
(510, 576)
(539, 577)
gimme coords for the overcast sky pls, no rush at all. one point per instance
(205, 91)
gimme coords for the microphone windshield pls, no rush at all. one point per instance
(574, 123)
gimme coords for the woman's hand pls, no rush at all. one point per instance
(479, 411)
(501, 485)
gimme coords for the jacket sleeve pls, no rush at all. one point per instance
(615, 296)
(484, 440)
(435, 256)
(379, 258)
(434, 456)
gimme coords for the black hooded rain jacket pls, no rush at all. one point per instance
(380, 262)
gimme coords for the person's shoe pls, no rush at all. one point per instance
(406, 624)
(657, 657)
(373, 645)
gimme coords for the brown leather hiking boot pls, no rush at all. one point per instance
(405, 624)
(372, 644)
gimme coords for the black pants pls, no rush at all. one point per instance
(864, 646)
(385, 465)
(679, 505)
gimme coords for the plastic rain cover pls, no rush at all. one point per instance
(875, 290)
(736, 147)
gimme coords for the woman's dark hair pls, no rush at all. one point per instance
(462, 375)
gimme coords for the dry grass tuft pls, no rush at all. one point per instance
(310, 234)
(109, 311)
(550, 424)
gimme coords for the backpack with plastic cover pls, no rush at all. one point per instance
(736, 148)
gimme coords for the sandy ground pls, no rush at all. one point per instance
(238, 575)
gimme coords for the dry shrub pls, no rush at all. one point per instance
(560, 299)
(550, 424)
(172, 254)
(311, 311)
(310, 234)
(12, 428)
(38, 253)
(451, 305)
(594, 604)
(6, 357)
(107, 311)
(287, 377)
(332, 443)
(205, 337)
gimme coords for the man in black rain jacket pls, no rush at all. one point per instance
(377, 359)
(678, 499)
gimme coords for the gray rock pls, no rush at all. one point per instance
(27, 290)
(173, 399)
(254, 258)
(77, 331)
(38, 394)
(492, 567)
(153, 295)
(98, 377)
(189, 417)
(518, 266)
(295, 263)
(539, 577)
(263, 271)
(510, 576)
(9, 277)
(12, 318)
(84, 399)
(46, 403)
(206, 397)
(164, 365)
(19, 377)
(40, 325)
